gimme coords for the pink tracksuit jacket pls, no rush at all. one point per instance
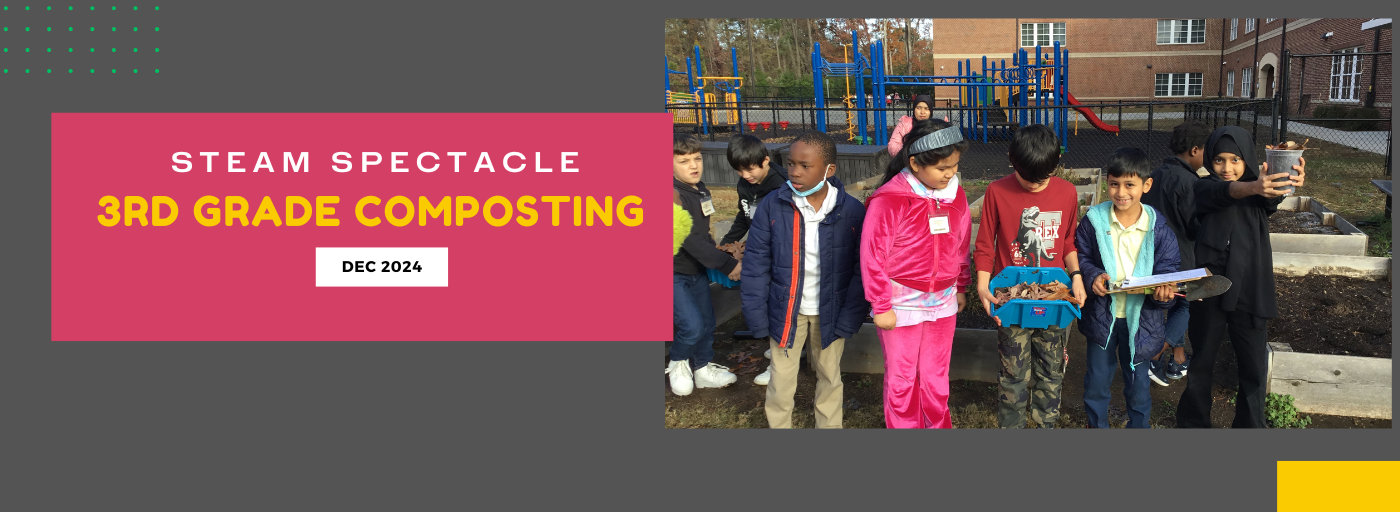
(897, 244)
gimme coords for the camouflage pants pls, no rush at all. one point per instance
(1024, 350)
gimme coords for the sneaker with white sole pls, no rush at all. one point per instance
(682, 380)
(762, 378)
(1156, 369)
(1175, 370)
(714, 376)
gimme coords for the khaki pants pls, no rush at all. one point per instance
(783, 382)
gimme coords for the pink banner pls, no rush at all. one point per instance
(527, 279)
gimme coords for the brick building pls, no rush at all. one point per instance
(1163, 59)
(1341, 80)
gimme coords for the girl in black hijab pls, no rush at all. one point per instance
(1233, 206)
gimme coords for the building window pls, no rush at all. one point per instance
(1181, 31)
(1178, 84)
(1234, 28)
(1230, 83)
(1245, 75)
(1346, 73)
(1269, 20)
(1248, 25)
(1042, 34)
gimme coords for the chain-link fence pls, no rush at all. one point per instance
(1093, 131)
(1339, 99)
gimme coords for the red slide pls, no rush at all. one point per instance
(1089, 114)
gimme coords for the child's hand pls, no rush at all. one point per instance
(1164, 293)
(1101, 285)
(962, 302)
(737, 268)
(987, 300)
(1078, 290)
(885, 321)
(1298, 180)
(1267, 184)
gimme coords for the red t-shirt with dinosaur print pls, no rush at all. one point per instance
(1025, 229)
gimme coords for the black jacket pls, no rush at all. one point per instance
(698, 252)
(749, 196)
(1233, 238)
(1173, 196)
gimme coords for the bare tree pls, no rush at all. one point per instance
(908, 50)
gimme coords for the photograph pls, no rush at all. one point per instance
(1030, 223)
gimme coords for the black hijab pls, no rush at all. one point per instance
(1234, 140)
(928, 100)
(1233, 238)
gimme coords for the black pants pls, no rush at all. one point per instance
(1210, 326)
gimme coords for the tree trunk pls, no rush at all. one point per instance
(908, 50)
(778, 46)
(713, 50)
(748, 23)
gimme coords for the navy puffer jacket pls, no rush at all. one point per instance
(1097, 315)
(772, 275)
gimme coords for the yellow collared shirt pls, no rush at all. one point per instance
(1127, 242)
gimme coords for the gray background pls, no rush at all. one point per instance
(429, 426)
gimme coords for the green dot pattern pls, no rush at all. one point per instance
(90, 29)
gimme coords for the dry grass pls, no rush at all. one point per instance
(726, 203)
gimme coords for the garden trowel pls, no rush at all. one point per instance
(1203, 288)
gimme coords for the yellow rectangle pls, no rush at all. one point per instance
(1337, 485)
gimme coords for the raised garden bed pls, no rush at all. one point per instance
(855, 162)
(1300, 223)
(1330, 347)
(718, 172)
(1303, 225)
(1324, 314)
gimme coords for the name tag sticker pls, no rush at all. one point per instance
(938, 224)
(707, 206)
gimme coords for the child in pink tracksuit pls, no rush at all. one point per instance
(916, 270)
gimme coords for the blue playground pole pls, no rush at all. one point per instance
(819, 86)
(856, 61)
(700, 94)
(981, 101)
(962, 122)
(877, 52)
(738, 92)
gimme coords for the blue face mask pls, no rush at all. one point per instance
(814, 190)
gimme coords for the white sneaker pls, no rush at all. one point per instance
(768, 354)
(762, 378)
(714, 376)
(682, 381)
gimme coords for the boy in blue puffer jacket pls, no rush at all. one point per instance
(1116, 240)
(800, 278)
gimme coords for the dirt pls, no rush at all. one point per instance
(1321, 314)
(974, 317)
(1305, 223)
(973, 403)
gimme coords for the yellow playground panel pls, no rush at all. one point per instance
(730, 115)
(680, 115)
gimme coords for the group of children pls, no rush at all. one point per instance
(817, 261)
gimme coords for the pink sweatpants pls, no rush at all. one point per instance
(916, 374)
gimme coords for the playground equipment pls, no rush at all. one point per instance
(696, 92)
(1027, 90)
(855, 123)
